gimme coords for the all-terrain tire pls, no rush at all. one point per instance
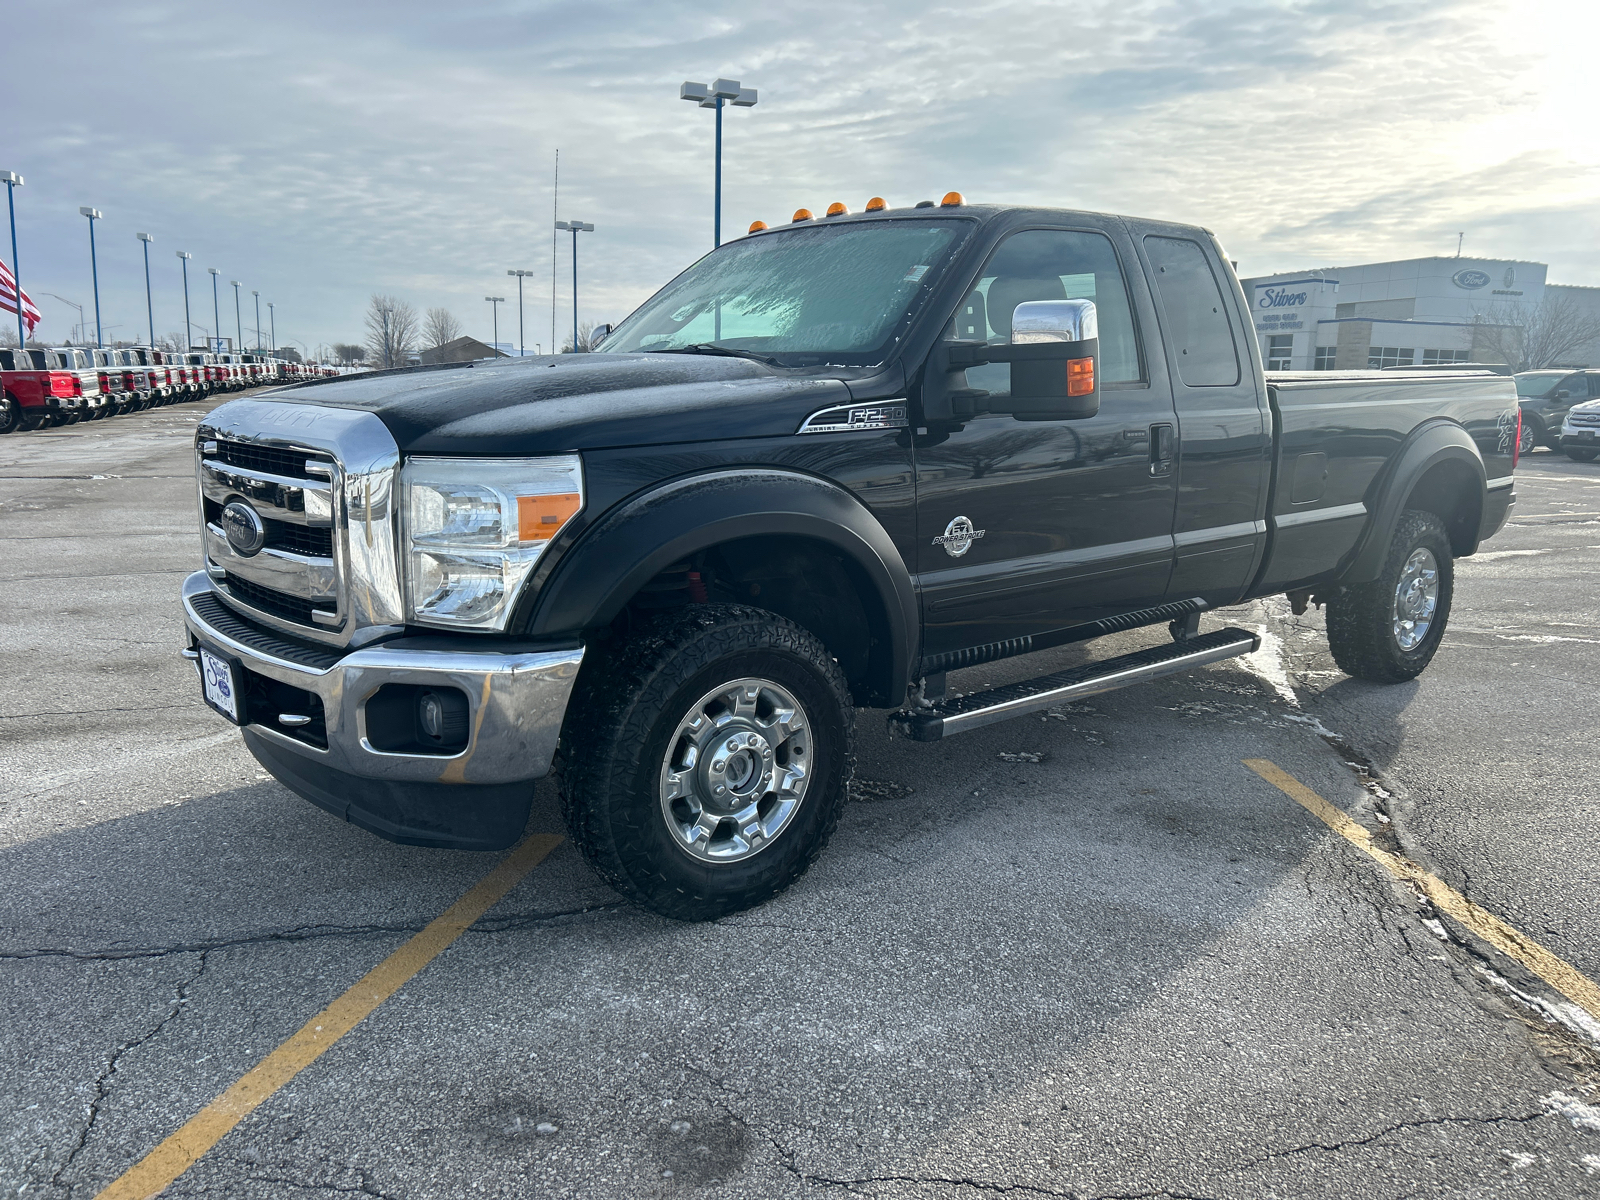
(1361, 618)
(625, 718)
(10, 415)
(1579, 455)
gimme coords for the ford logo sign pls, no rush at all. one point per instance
(1470, 279)
(245, 529)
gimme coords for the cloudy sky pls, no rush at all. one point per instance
(320, 152)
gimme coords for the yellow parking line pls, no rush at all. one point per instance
(206, 1128)
(1549, 966)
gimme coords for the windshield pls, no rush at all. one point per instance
(1538, 385)
(808, 295)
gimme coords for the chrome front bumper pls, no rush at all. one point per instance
(517, 697)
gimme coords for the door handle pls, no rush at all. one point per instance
(1163, 444)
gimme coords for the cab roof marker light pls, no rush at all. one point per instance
(802, 214)
(877, 204)
(952, 200)
(757, 226)
(838, 209)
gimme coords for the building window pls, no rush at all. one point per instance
(1325, 357)
(1280, 349)
(1434, 358)
(1390, 356)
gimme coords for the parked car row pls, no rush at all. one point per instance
(66, 384)
(1546, 399)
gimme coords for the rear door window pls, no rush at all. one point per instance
(1195, 315)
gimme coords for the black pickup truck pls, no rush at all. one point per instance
(825, 465)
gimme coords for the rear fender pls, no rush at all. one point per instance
(647, 533)
(1438, 444)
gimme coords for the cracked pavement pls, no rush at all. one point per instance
(1085, 954)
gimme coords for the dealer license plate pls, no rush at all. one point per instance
(222, 683)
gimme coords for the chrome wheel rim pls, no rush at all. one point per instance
(1416, 598)
(736, 770)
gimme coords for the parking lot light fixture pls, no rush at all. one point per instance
(257, 295)
(715, 96)
(149, 300)
(522, 346)
(494, 303)
(216, 310)
(13, 181)
(94, 270)
(575, 227)
(272, 319)
(238, 319)
(188, 325)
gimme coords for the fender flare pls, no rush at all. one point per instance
(633, 542)
(1436, 442)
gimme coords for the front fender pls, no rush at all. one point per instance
(1437, 442)
(647, 533)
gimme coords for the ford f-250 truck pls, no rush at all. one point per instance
(825, 465)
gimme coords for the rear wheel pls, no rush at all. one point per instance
(35, 418)
(10, 414)
(1577, 455)
(1532, 434)
(1388, 630)
(704, 766)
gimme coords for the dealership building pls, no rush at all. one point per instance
(1418, 311)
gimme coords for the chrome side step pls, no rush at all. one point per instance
(961, 713)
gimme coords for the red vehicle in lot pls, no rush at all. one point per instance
(37, 390)
(90, 402)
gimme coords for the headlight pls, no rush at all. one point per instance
(474, 528)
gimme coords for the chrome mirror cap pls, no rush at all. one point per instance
(1054, 321)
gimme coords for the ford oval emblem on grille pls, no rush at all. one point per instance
(246, 531)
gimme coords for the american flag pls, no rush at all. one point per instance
(8, 299)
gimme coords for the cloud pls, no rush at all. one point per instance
(338, 150)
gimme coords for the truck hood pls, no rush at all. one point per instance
(557, 403)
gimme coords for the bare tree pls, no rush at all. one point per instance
(391, 330)
(349, 353)
(1529, 336)
(440, 327)
(586, 339)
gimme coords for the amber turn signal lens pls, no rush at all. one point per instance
(838, 209)
(757, 226)
(877, 204)
(1080, 376)
(802, 214)
(540, 518)
(952, 200)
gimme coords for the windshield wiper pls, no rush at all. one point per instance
(715, 350)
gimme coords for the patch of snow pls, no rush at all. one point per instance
(1518, 1160)
(1492, 555)
(1266, 664)
(1315, 725)
(1558, 1012)
(1021, 756)
(1436, 928)
(1591, 1164)
(1584, 1117)
(1544, 638)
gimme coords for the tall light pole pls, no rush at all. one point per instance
(216, 312)
(238, 321)
(79, 326)
(94, 267)
(494, 303)
(149, 301)
(713, 97)
(272, 319)
(257, 295)
(12, 181)
(576, 227)
(522, 346)
(188, 325)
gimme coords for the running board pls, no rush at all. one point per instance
(961, 713)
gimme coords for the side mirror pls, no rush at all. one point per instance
(1054, 354)
(599, 334)
(1561, 394)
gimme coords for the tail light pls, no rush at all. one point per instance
(77, 385)
(1516, 446)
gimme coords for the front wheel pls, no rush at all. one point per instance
(1577, 455)
(1388, 630)
(703, 766)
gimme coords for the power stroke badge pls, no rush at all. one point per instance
(958, 537)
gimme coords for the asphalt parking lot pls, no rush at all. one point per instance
(1091, 954)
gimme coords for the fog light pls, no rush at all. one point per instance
(442, 718)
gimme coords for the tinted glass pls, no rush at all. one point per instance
(1197, 324)
(809, 295)
(1050, 264)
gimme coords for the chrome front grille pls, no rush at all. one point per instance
(321, 482)
(1584, 418)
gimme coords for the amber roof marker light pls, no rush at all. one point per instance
(802, 214)
(952, 200)
(838, 209)
(757, 226)
(877, 204)
(713, 97)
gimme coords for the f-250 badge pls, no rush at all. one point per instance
(958, 537)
